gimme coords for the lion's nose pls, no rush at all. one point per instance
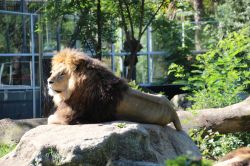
(50, 82)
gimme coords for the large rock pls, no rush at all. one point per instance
(114, 143)
(181, 102)
(11, 131)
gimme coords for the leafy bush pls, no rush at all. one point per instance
(213, 145)
(178, 71)
(221, 74)
(233, 15)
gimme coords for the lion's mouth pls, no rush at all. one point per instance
(57, 91)
(53, 91)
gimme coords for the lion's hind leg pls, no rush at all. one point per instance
(147, 108)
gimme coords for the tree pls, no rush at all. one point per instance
(198, 9)
(233, 15)
(136, 15)
(92, 22)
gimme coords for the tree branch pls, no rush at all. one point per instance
(123, 20)
(130, 18)
(151, 19)
(142, 15)
(99, 31)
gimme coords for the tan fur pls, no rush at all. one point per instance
(149, 108)
(85, 91)
(238, 157)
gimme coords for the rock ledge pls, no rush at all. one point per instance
(114, 143)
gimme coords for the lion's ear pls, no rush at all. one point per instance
(77, 67)
(86, 64)
(80, 65)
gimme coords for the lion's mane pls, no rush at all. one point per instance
(97, 91)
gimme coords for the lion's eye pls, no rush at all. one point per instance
(62, 74)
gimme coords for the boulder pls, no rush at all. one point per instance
(115, 143)
(181, 102)
(11, 131)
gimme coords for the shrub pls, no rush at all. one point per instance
(214, 145)
(221, 74)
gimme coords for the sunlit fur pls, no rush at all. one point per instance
(238, 157)
(83, 89)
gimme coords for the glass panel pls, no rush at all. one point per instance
(16, 91)
(15, 33)
(159, 71)
(16, 94)
(18, 104)
(142, 69)
(57, 35)
(16, 71)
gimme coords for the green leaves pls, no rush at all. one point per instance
(222, 73)
(233, 15)
(213, 145)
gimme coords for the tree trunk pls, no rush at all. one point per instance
(198, 7)
(131, 75)
(133, 46)
(76, 32)
(234, 118)
(99, 31)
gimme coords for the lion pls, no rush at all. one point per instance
(84, 90)
(238, 157)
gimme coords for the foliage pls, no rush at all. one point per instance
(178, 72)
(133, 85)
(4, 149)
(12, 33)
(88, 27)
(121, 125)
(233, 15)
(221, 74)
(135, 18)
(214, 145)
(169, 39)
(185, 161)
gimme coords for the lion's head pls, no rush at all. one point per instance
(62, 80)
(60, 83)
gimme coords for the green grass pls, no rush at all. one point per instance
(185, 161)
(4, 149)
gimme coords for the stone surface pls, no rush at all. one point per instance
(233, 118)
(180, 102)
(11, 131)
(114, 143)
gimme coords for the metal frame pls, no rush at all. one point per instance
(32, 55)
